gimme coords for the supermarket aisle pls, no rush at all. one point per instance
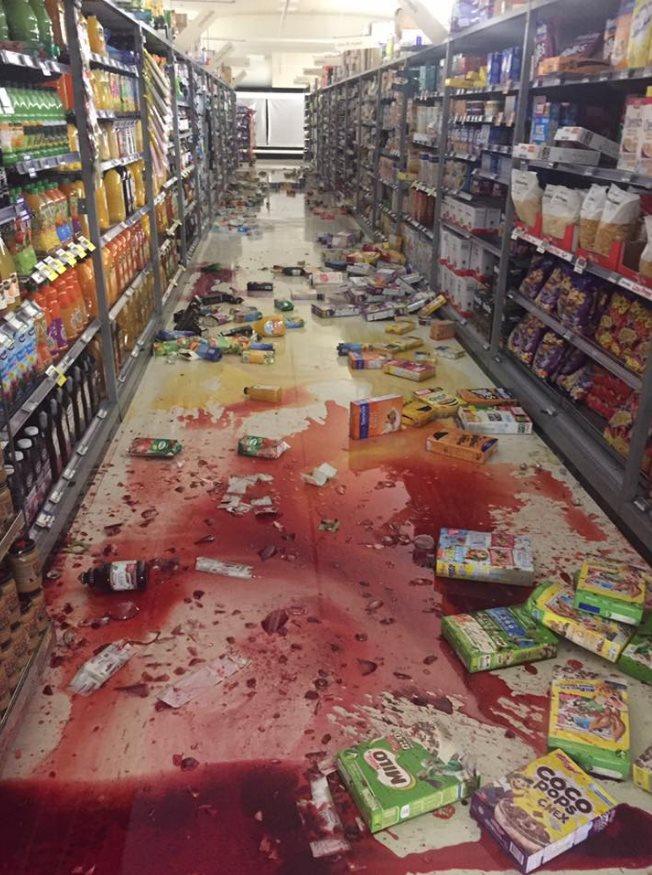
(340, 628)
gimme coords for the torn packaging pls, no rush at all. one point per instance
(193, 685)
(322, 822)
(228, 569)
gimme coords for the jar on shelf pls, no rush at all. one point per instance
(42, 619)
(9, 602)
(5, 689)
(25, 563)
(7, 512)
(21, 646)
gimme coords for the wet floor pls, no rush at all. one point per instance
(340, 630)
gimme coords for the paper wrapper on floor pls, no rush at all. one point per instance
(542, 809)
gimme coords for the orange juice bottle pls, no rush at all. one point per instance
(72, 192)
(58, 340)
(75, 289)
(67, 307)
(96, 35)
(114, 196)
(102, 207)
(139, 183)
(86, 277)
(36, 206)
(110, 276)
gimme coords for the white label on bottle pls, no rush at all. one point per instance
(123, 576)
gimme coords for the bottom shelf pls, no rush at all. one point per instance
(29, 679)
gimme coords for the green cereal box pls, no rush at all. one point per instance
(589, 720)
(636, 658)
(498, 637)
(551, 603)
(614, 590)
(395, 778)
(642, 770)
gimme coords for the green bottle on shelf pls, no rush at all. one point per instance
(4, 27)
(45, 33)
(22, 23)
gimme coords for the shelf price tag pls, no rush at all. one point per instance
(580, 264)
(46, 271)
(57, 375)
(56, 264)
(78, 250)
(66, 257)
(88, 246)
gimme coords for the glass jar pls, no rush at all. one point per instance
(5, 689)
(8, 661)
(7, 512)
(42, 617)
(20, 642)
(9, 603)
(25, 563)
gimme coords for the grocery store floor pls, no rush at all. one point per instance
(113, 783)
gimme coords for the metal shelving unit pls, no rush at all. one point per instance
(569, 428)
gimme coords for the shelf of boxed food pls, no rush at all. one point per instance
(605, 77)
(51, 378)
(580, 341)
(489, 91)
(491, 246)
(427, 232)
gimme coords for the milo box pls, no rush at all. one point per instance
(154, 448)
(395, 778)
(613, 590)
(636, 658)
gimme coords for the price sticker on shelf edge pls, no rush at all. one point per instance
(47, 271)
(580, 264)
(86, 243)
(78, 250)
(57, 375)
(67, 257)
(56, 264)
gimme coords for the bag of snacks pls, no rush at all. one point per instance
(526, 195)
(645, 265)
(591, 213)
(639, 34)
(581, 305)
(525, 337)
(548, 355)
(575, 375)
(619, 219)
(560, 279)
(561, 210)
(540, 269)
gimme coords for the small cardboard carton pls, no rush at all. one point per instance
(446, 440)
(589, 720)
(442, 329)
(551, 603)
(615, 590)
(374, 417)
(495, 420)
(494, 557)
(636, 658)
(395, 778)
(487, 397)
(498, 637)
(642, 770)
(367, 360)
(584, 137)
(411, 370)
(542, 809)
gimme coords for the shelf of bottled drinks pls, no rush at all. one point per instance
(115, 150)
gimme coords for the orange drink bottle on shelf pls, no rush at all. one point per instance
(102, 206)
(110, 277)
(57, 333)
(139, 184)
(96, 37)
(115, 197)
(86, 277)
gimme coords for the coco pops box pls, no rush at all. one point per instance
(395, 778)
(498, 637)
(589, 720)
(551, 603)
(615, 590)
(495, 557)
(546, 807)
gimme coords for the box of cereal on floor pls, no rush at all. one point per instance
(542, 809)
(494, 557)
(642, 770)
(373, 417)
(395, 778)
(636, 658)
(589, 720)
(615, 590)
(551, 603)
(498, 637)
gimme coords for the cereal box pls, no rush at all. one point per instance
(551, 603)
(426, 405)
(615, 590)
(642, 770)
(636, 658)
(495, 420)
(395, 778)
(496, 557)
(589, 720)
(458, 444)
(542, 809)
(488, 397)
(373, 417)
(498, 637)
(402, 326)
(442, 329)
(410, 370)
(366, 360)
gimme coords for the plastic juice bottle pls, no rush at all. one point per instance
(273, 394)
(9, 288)
(113, 249)
(86, 277)
(96, 35)
(68, 312)
(64, 222)
(34, 203)
(4, 27)
(115, 196)
(31, 311)
(54, 9)
(139, 183)
(50, 237)
(110, 276)
(102, 206)
(112, 139)
(138, 133)
(46, 36)
(40, 298)
(81, 314)
(58, 340)
(22, 23)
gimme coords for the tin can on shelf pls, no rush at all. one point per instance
(7, 512)
(25, 564)
(20, 642)
(9, 602)
(5, 689)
